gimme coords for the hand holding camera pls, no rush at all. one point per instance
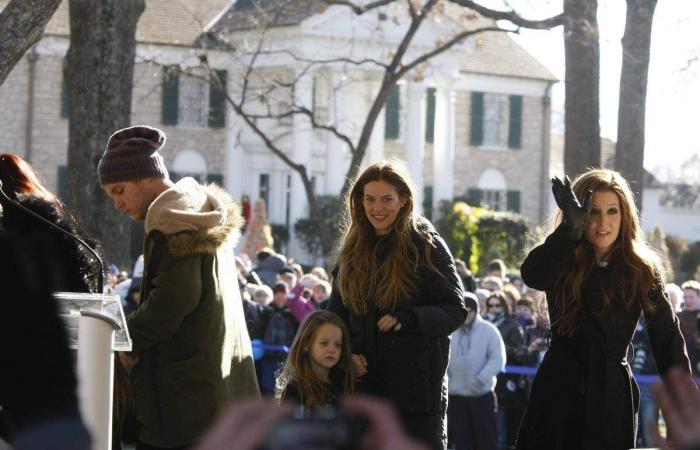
(362, 423)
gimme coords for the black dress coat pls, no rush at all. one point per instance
(77, 270)
(408, 367)
(584, 395)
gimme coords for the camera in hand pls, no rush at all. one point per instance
(322, 428)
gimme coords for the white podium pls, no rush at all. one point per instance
(96, 328)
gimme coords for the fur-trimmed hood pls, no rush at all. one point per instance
(195, 218)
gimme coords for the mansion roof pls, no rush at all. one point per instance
(184, 22)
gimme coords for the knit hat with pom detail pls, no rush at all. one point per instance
(131, 155)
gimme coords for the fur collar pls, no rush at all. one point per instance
(195, 218)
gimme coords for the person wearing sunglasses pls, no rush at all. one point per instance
(599, 274)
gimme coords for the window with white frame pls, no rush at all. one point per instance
(494, 120)
(491, 192)
(193, 101)
(189, 163)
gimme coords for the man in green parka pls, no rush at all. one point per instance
(191, 348)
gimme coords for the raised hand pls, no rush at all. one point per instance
(575, 213)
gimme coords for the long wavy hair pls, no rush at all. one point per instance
(18, 177)
(633, 267)
(298, 370)
(364, 272)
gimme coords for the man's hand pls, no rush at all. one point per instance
(384, 431)
(679, 400)
(575, 213)
(244, 425)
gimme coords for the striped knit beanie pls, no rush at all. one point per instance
(131, 155)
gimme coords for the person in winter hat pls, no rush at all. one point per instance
(191, 350)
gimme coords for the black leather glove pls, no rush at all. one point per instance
(575, 213)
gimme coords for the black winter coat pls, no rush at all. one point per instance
(408, 367)
(78, 270)
(584, 395)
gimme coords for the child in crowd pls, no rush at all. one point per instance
(318, 368)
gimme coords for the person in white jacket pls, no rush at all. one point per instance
(477, 355)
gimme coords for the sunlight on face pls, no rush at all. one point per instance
(130, 197)
(603, 225)
(382, 205)
(327, 347)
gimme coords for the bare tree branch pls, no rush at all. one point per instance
(312, 62)
(360, 9)
(446, 46)
(22, 23)
(512, 16)
(333, 130)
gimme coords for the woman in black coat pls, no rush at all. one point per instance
(78, 269)
(397, 289)
(599, 275)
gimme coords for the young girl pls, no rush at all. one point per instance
(318, 368)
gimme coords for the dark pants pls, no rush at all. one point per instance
(471, 422)
(427, 428)
(142, 446)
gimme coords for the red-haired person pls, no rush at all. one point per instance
(79, 269)
(599, 275)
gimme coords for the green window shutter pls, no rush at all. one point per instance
(215, 178)
(65, 109)
(430, 116)
(515, 121)
(391, 120)
(474, 196)
(513, 201)
(170, 96)
(62, 183)
(476, 134)
(217, 101)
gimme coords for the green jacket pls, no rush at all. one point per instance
(189, 333)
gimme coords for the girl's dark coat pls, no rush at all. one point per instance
(408, 367)
(584, 395)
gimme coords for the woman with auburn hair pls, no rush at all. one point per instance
(599, 275)
(79, 269)
(397, 289)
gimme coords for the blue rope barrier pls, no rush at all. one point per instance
(274, 348)
(641, 379)
(514, 370)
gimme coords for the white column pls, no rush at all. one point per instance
(444, 143)
(301, 154)
(234, 150)
(375, 148)
(415, 137)
(336, 150)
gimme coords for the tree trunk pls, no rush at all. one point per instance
(636, 44)
(22, 23)
(99, 69)
(582, 104)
